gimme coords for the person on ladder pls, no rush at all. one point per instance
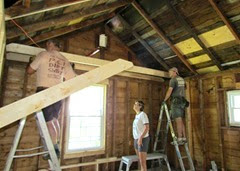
(176, 91)
(52, 67)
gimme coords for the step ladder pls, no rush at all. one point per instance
(46, 139)
(161, 135)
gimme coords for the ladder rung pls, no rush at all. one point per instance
(184, 157)
(159, 151)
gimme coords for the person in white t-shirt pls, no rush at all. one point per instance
(52, 68)
(141, 133)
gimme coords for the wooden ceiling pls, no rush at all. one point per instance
(197, 36)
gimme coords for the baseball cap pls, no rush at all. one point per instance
(174, 69)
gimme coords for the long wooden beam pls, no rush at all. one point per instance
(33, 103)
(144, 43)
(225, 20)
(193, 33)
(7, 18)
(15, 32)
(65, 30)
(162, 35)
(79, 59)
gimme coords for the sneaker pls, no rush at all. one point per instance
(180, 141)
(46, 157)
(184, 140)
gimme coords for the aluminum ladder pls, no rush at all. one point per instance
(161, 139)
(46, 139)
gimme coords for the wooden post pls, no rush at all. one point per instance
(31, 104)
(189, 118)
(2, 39)
(220, 115)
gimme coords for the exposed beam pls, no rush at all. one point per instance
(65, 30)
(116, 37)
(7, 18)
(34, 103)
(225, 20)
(144, 43)
(79, 59)
(15, 32)
(161, 34)
(193, 34)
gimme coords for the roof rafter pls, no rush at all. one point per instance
(65, 30)
(162, 35)
(193, 33)
(144, 43)
(225, 20)
(7, 18)
(15, 32)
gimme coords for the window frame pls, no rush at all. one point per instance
(230, 107)
(89, 152)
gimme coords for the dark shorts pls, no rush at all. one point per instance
(52, 111)
(144, 146)
(178, 105)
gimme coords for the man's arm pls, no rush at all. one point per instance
(30, 70)
(168, 94)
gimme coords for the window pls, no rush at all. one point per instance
(234, 107)
(86, 120)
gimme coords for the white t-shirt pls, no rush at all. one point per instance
(138, 125)
(51, 68)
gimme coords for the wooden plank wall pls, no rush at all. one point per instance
(213, 138)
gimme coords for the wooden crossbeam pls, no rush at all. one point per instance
(193, 33)
(15, 32)
(79, 59)
(162, 36)
(144, 43)
(225, 20)
(33, 103)
(65, 30)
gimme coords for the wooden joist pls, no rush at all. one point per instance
(225, 20)
(33, 103)
(15, 32)
(144, 43)
(79, 59)
(162, 35)
(68, 29)
(193, 33)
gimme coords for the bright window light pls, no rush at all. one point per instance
(86, 119)
(234, 107)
